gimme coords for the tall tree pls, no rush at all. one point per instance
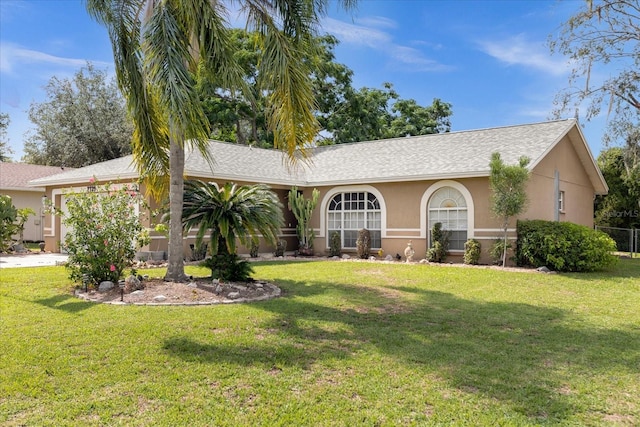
(602, 33)
(344, 113)
(5, 150)
(162, 48)
(83, 121)
(370, 114)
(619, 207)
(508, 192)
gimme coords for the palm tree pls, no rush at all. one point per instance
(163, 48)
(231, 213)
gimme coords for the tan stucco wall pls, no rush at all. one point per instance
(33, 230)
(405, 216)
(573, 180)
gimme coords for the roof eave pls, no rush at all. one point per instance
(407, 178)
(82, 180)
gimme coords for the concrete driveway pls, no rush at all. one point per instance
(31, 260)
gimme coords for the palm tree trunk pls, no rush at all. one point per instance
(175, 267)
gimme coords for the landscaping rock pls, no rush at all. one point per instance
(192, 285)
(132, 283)
(346, 256)
(159, 298)
(388, 258)
(137, 292)
(234, 295)
(543, 269)
(105, 286)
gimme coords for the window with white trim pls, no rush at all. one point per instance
(449, 207)
(350, 212)
(561, 201)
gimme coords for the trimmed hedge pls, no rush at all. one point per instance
(563, 246)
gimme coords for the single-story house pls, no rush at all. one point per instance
(14, 182)
(397, 188)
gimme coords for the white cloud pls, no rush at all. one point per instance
(518, 51)
(12, 56)
(374, 38)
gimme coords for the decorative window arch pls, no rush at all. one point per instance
(451, 204)
(349, 209)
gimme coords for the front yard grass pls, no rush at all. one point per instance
(348, 343)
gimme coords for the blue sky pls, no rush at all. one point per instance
(489, 59)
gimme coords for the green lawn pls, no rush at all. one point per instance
(348, 344)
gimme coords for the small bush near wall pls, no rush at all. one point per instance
(363, 243)
(563, 246)
(472, 250)
(440, 244)
(335, 246)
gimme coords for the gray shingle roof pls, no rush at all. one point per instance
(454, 154)
(17, 175)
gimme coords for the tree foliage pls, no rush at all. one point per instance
(603, 39)
(5, 150)
(508, 192)
(8, 216)
(370, 114)
(303, 210)
(603, 33)
(105, 232)
(345, 114)
(231, 212)
(162, 49)
(83, 121)
(619, 208)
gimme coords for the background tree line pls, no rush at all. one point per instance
(84, 119)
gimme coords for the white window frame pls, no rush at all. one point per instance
(328, 197)
(561, 201)
(424, 208)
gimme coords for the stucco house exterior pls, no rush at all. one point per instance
(397, 188)
(14, 182)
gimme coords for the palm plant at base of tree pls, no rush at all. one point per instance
(231, 213)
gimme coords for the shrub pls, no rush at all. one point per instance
(198, 251)
(563, 246)
(255, 247)
(363, 243)
(335, 245)
(302, 209)
(472, 250)
(281, 247)
(228, 267)
(498, 252)
(439, 244)
(8, 215)
(105, 232)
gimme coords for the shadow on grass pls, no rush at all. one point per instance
(626, 268)
(513, 352)
(67, 303)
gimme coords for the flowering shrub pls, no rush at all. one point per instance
(105, 232)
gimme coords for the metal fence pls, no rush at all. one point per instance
(627, 239)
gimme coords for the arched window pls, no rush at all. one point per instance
(349, 212)
(449, 207)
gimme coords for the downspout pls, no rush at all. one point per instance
(556, 195)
